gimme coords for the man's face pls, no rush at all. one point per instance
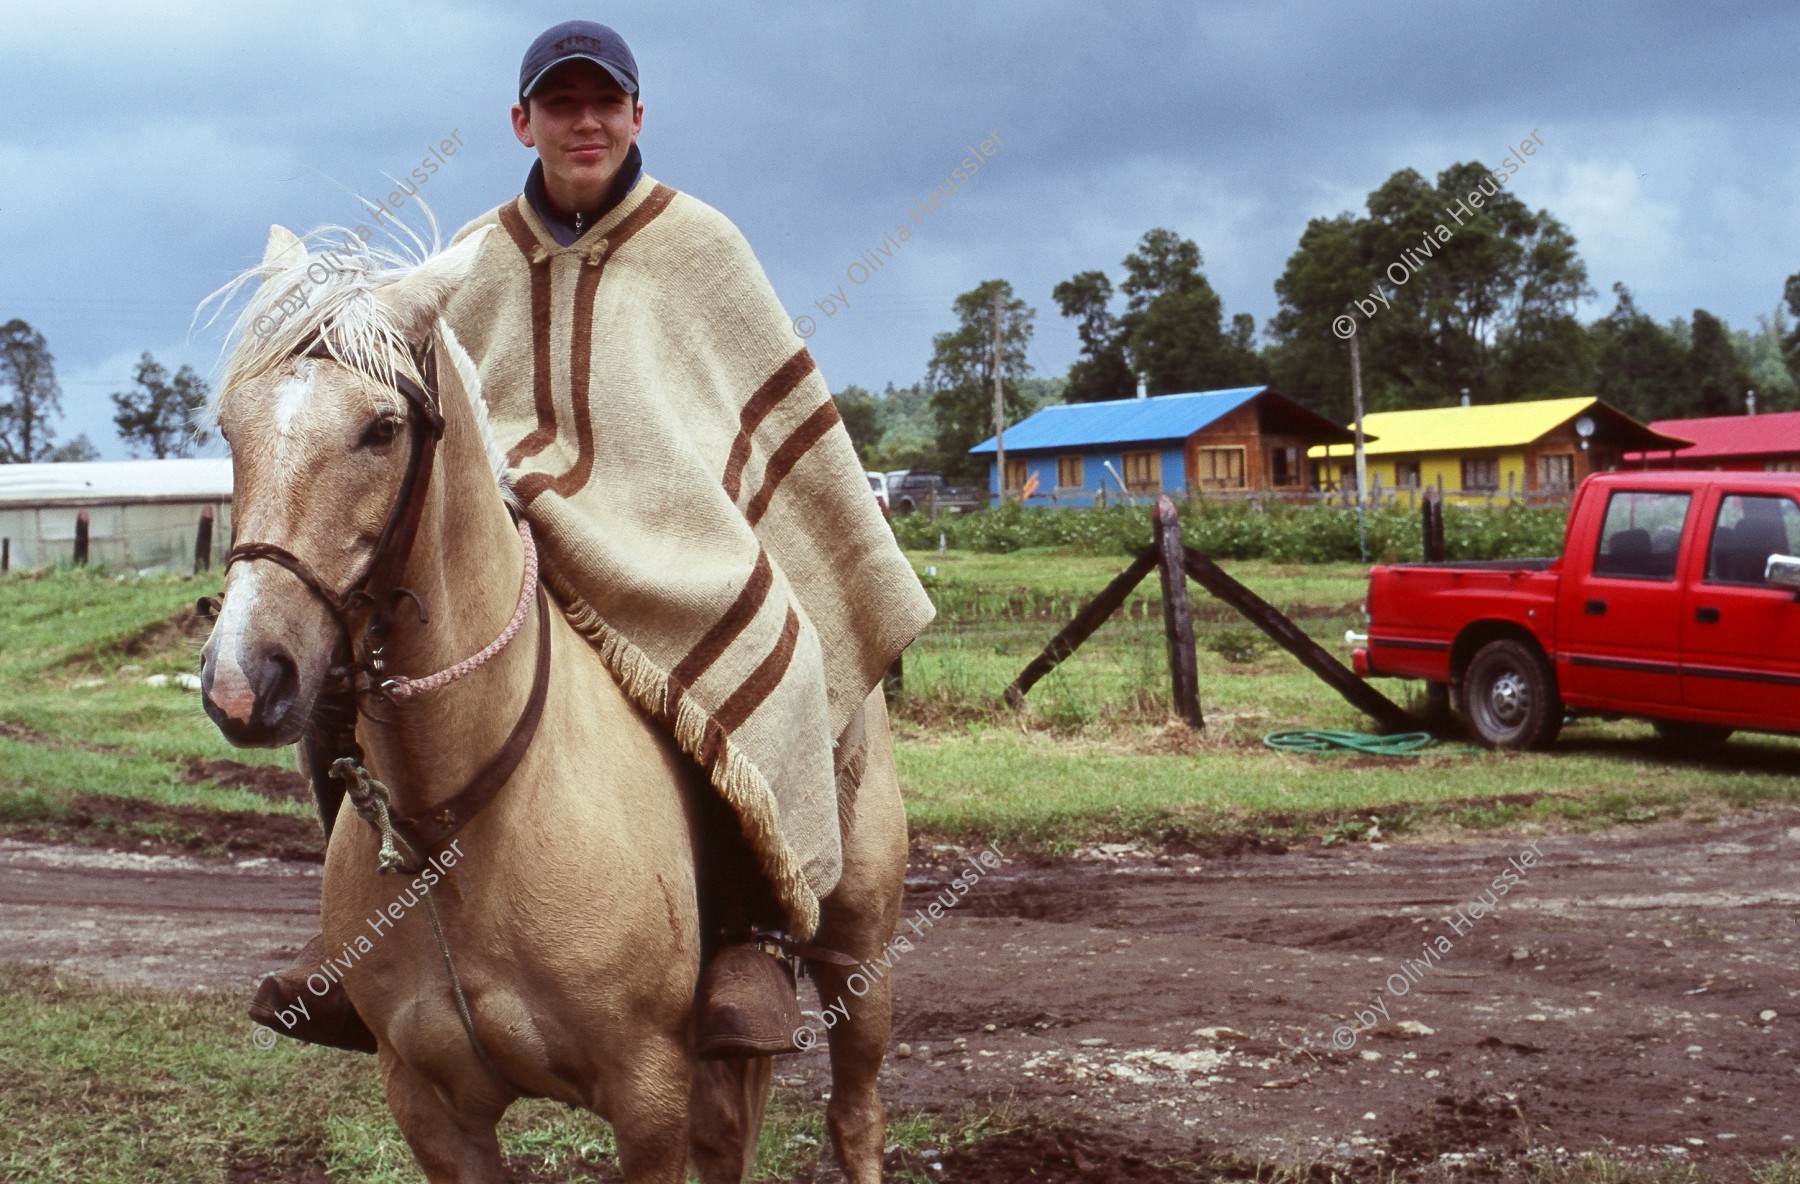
(582, 125)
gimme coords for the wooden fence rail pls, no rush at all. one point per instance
(1177, 564)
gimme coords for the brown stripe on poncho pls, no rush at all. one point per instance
(702, 513)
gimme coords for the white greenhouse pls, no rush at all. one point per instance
(141, 513)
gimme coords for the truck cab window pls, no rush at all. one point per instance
(1747, 531)
(1641, 535)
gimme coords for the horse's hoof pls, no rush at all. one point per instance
(749, 1006)
(284, 1003)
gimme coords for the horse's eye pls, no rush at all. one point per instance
(383, 430)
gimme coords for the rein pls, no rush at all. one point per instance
(402, 688)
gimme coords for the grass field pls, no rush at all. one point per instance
(114, 1084)
(1092, 757)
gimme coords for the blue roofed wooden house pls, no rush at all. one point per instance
(1249, 439)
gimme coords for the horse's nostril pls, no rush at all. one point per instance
(280, 686)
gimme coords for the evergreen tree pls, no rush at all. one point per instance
(1449, 285)
(1103, 373)
(1639, 366)
(79, 449)
(908, 430)
(1790, 345)
(159, 414)
(961, 374)
(1716, 377)
(862, 419)
(28, 371)
(1174, 327)
(1761, 353)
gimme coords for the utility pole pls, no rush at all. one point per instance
(999, 405)
(1362, 463)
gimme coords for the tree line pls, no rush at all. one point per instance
(1447, 299)
(155, 416)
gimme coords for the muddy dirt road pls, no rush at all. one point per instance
(1637, 990)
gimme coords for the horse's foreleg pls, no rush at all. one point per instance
(451, 1147)
(855, 1116)
(730, 1098)
(648, 1109)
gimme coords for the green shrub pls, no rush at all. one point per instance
(1237, 646)
(1278, 532)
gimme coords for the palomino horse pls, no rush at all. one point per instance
(570, 918)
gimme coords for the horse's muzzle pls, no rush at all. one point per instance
(255, 703)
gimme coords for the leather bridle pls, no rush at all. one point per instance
(331, 732)
(379, 588)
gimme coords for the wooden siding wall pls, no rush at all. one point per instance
(1241, 429)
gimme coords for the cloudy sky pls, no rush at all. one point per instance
(146, 148)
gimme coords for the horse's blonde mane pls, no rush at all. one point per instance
(470, 380)
(338, 296)
(338, 277)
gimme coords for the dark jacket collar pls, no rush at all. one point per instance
(568, 229)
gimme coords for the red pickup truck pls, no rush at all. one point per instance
(1673, 601)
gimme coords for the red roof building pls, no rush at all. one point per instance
(1735, 443)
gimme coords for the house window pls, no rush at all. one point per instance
(1220, 468)
(1556, 471)
(1143, 473)
(1480, 474)
(1406, 474)
(1068, 472)
(1015, 474)
(1284, 468)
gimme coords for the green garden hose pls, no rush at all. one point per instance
(1400, 744)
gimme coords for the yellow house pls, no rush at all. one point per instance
(1543, 447)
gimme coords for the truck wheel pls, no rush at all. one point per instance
(1682, 734)
(905, 505)
(1509, 693)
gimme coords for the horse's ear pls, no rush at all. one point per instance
(284, 250)
(417, 298)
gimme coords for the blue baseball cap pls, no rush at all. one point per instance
(585, 40)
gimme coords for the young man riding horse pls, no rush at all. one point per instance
(702, 517)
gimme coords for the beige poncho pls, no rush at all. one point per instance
(701, 510)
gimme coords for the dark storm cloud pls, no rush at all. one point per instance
(144, 153)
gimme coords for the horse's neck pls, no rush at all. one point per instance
(465, 567)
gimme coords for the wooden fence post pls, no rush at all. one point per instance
(203, 535)
(1432, 523)
(81, 537)
(5, 556)
(1178, 619)
(893, 683)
